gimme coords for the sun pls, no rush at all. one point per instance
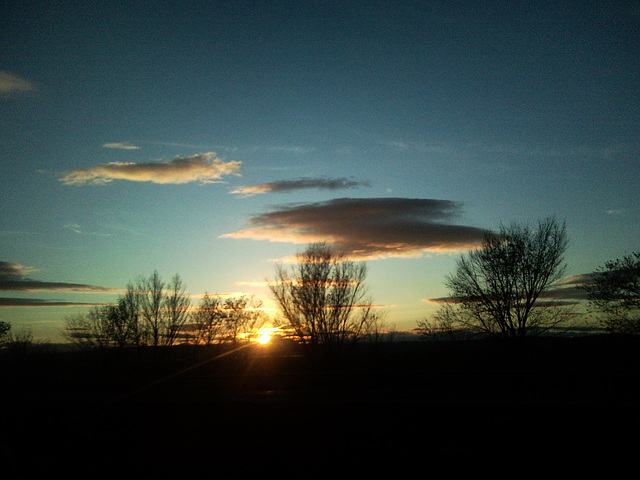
(264, 339)
(264, 335)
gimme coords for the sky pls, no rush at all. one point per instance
(214, 139)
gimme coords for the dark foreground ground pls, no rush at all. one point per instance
(567, 403)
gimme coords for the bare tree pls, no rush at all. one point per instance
(207, 321)
(5, 331)
(615, 292)
(497, 287)
(151, 292)
(243, 317)
(118, 329)
(443, 325)
(176, 310)
(90, 330)
(322, 298)
(146, 314)
(130, 306)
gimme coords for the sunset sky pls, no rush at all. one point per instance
(211, 139)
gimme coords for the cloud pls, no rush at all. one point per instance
(571, 289)
(74, 227)
(566, 292)
(284, 186)
(367, 228)
(121, 146)
(204, 168)
(13, 278)
(289, 149)
(265, 283)
(11, 84)
(38, 302)
(579, 279)
(13, 270)
(615, 212)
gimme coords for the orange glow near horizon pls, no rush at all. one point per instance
(264, 339)
(265, 335)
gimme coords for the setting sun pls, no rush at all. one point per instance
(265, 335)
(264, 338)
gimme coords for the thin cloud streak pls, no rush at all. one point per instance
(12, 84)
(203, 168)
(12, 302)
(76, 228)
(13, 279)
(567, 292)
(286, 186)
(121, 146)
(265, 283)
(472, 150)
(367, 228)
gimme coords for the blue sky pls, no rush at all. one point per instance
(211, 138)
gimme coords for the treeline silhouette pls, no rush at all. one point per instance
(151, 393)
(152, 313)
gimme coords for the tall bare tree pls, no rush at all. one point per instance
(322, 298)
(176, 310)
(497, 287)
(151, 292)
(130, 306)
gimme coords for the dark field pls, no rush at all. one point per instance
(460, 406)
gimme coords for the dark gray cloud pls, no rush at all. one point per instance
(368, 227)
(571, 289)
(285, 186)
(13, 279)
(38, 302)
(566, 292)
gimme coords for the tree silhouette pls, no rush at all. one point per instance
(176, 309)
(149, 313)
(497, 287)
(615, 292)
(322, 299)
(5, 329)
(207, 321)
(151, 292)
(243, 316)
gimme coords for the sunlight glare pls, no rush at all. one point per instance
(264, 339)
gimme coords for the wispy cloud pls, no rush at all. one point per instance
(265, 283)
(13, 278)
(241, 149)
(204, 168)
(121, 146)
(39, 302)
(466, 150)
(367, 228)
(76, 228)
(615, 212)
(12, 84)
(285, 186)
